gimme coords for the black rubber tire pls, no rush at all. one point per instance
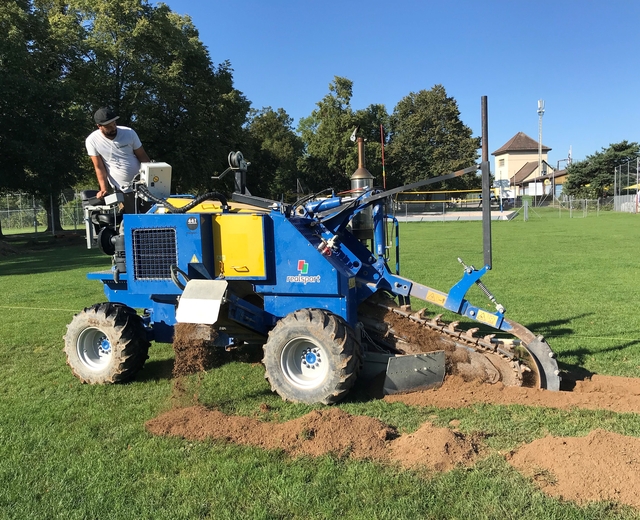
(106, 343)
(312, 356)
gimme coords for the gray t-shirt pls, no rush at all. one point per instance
(121, 163)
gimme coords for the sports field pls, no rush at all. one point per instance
(69, 450)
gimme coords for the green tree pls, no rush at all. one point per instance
(330, 157)
(39, 126)
(372, 122)
(149, 64)
(274, 150)
(594, 176)
(428, 138)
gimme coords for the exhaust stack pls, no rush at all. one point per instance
(362, 181)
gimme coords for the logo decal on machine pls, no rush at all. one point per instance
(301, 277)
(192, 223)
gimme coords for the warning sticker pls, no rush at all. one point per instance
(488, 318)
(437, 298)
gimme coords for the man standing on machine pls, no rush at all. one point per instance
(116, 153)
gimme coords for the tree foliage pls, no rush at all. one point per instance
(40, 126)
(274, 149)
(427, 139)
(593, 177)
(150, 65)
(330, 157)
(61, 60)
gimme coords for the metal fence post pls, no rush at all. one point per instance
(35, 217)
(571, 207)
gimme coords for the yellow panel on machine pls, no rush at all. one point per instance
(238, 245)
(214, 206)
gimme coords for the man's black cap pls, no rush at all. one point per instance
(104, 116)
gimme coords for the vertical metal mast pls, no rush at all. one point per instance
(486, 187)
(540, 114)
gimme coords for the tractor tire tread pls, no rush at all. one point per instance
(127, 336)
(344, 349)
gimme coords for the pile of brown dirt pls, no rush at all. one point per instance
(600, 466)
(439, 448)
(321, 432)
(619, 394)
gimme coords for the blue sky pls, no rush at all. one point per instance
(580, 57)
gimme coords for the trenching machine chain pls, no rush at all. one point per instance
(471, 356)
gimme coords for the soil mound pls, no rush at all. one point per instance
(600, 466)
(439, 448)
(322, 432)
(619, 394)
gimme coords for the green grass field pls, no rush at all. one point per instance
(69, 450)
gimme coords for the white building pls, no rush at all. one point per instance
(517, 162)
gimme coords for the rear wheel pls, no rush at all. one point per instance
(312, 356)
(106, 343)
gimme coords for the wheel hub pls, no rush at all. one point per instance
(311, 358)
(94, 349)
(302, 363)
(104, 348)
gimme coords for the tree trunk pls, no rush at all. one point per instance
(53, 220)
(1, 235)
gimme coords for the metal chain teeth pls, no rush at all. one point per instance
(463, 338)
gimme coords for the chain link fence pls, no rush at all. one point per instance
(579, 208)
(626, 178)
(22, 213)
(548, 206)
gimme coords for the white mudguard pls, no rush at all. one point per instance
(200, 301)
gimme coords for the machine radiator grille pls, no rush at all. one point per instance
(154, 250)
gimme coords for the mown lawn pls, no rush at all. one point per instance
(69, 450)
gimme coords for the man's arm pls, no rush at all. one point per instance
(101, 174)
(141, 155)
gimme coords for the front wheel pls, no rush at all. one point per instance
(312, 356)
(106, 343)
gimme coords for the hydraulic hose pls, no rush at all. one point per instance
(172, 209)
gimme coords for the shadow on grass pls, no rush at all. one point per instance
(582, 353)
(35, 255)
(553, 328)
(156, 370)
(163, 369)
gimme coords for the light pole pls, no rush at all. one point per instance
(637, 183)
(637, 180)
(540, 114)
